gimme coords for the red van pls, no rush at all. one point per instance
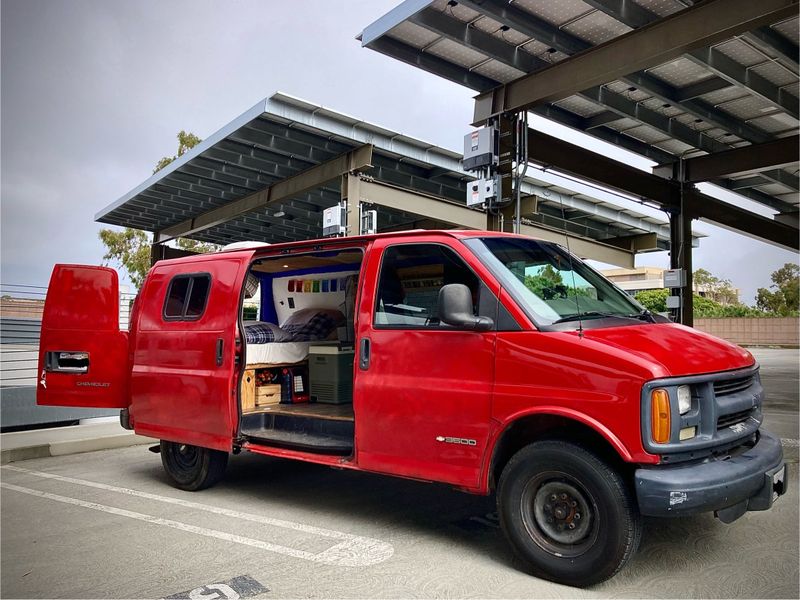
(488, 361)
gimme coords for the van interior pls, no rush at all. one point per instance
(298, 315)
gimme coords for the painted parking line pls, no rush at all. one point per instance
(351, 551)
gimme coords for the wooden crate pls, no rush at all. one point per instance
(266, 395)
(248, 390)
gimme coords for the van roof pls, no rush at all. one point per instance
(338, 241)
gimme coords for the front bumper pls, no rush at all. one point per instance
(752, 480)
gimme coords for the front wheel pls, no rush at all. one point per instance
(567, 514)
(190, 467)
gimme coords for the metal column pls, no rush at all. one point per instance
(351, 193)
(680, 256)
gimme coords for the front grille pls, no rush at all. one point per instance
(733, 418)
(724, 387)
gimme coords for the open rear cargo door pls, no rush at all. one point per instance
(83, 355)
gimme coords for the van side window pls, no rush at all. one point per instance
(186, 297)
(410, 280)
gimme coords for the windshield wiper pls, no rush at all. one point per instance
(599, 314)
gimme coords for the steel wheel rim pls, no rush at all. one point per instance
(186, 456)
(549, 504)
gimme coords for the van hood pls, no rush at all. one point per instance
(674, 349)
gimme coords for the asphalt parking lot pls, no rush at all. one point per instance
(108, 525)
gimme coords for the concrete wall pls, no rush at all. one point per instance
(781, 331)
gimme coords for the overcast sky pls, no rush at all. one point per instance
(94, 91)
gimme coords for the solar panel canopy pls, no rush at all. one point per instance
(282, 136)
(734, 93)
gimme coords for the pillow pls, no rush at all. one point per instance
(319, 326)
(303, 316)
(260, 332)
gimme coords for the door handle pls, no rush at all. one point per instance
(220, 347)
(363, 354)
(76, 362)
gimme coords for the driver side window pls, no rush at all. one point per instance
(410, 279)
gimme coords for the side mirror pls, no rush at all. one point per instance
(455, 308)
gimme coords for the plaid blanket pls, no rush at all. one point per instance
(319, 327)
(264, 333)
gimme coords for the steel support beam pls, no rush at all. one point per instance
(635, 243)
(771, 42)
(747, 160)
(570, 44)
(680, 257)
(160, 252)
(696, 27)
(460, 216)
(621, 107)
(727, 69)
(311, 178)
(737, 74)
(550, 151)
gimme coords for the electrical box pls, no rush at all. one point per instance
(369, 222)
(481, 149)
(481, 191)
(673, 301)
(334, 220)
(674, 278)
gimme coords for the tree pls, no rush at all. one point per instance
(785, 300)
(653, 300)
(186, 141)
(131, 247)
(720, 290)
(656, 301)
(549, 284)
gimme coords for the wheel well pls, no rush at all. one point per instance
(535, 428)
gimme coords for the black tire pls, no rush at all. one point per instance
(542, 489)
(192, 468)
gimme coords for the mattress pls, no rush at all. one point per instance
(277, 353)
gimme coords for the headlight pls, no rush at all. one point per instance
(684, 399)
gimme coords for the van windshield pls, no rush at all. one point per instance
(551, 285)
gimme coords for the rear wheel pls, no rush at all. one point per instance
(190, 467)
(568, 515)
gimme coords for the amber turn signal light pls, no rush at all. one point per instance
(660, 416)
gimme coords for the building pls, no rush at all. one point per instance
(643, 279)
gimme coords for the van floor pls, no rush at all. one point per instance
(339, 412)
(309, 427)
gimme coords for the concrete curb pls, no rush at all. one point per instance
(72, 446)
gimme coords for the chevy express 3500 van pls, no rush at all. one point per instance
(487, 361)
